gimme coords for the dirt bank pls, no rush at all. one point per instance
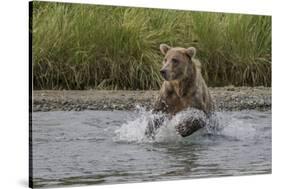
(225, 98)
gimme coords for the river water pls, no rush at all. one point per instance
(105, 147)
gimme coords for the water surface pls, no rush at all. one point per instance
(102, 147)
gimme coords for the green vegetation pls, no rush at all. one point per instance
(88, 46)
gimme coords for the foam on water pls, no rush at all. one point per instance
(220, 125)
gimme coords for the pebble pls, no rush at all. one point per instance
(229, 98)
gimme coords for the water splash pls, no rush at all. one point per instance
(236, 128)
(134, 130)
(219, 125)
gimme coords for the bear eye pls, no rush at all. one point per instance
(175, 61)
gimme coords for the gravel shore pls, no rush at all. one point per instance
(225, 98)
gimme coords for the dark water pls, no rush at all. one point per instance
(101, 147)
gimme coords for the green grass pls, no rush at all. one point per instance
(88, 46)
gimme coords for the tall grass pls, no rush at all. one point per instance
(86, 46)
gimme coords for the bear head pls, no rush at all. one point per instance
(177, 63)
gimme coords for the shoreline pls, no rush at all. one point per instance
(225, 99)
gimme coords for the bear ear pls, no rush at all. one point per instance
(164, 48)
(191, 51)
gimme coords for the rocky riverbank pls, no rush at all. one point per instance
(225, 98)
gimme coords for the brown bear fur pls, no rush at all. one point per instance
(184, 85)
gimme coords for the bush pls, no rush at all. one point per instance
(88, 46)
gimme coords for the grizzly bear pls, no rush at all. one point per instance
(183, 87)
